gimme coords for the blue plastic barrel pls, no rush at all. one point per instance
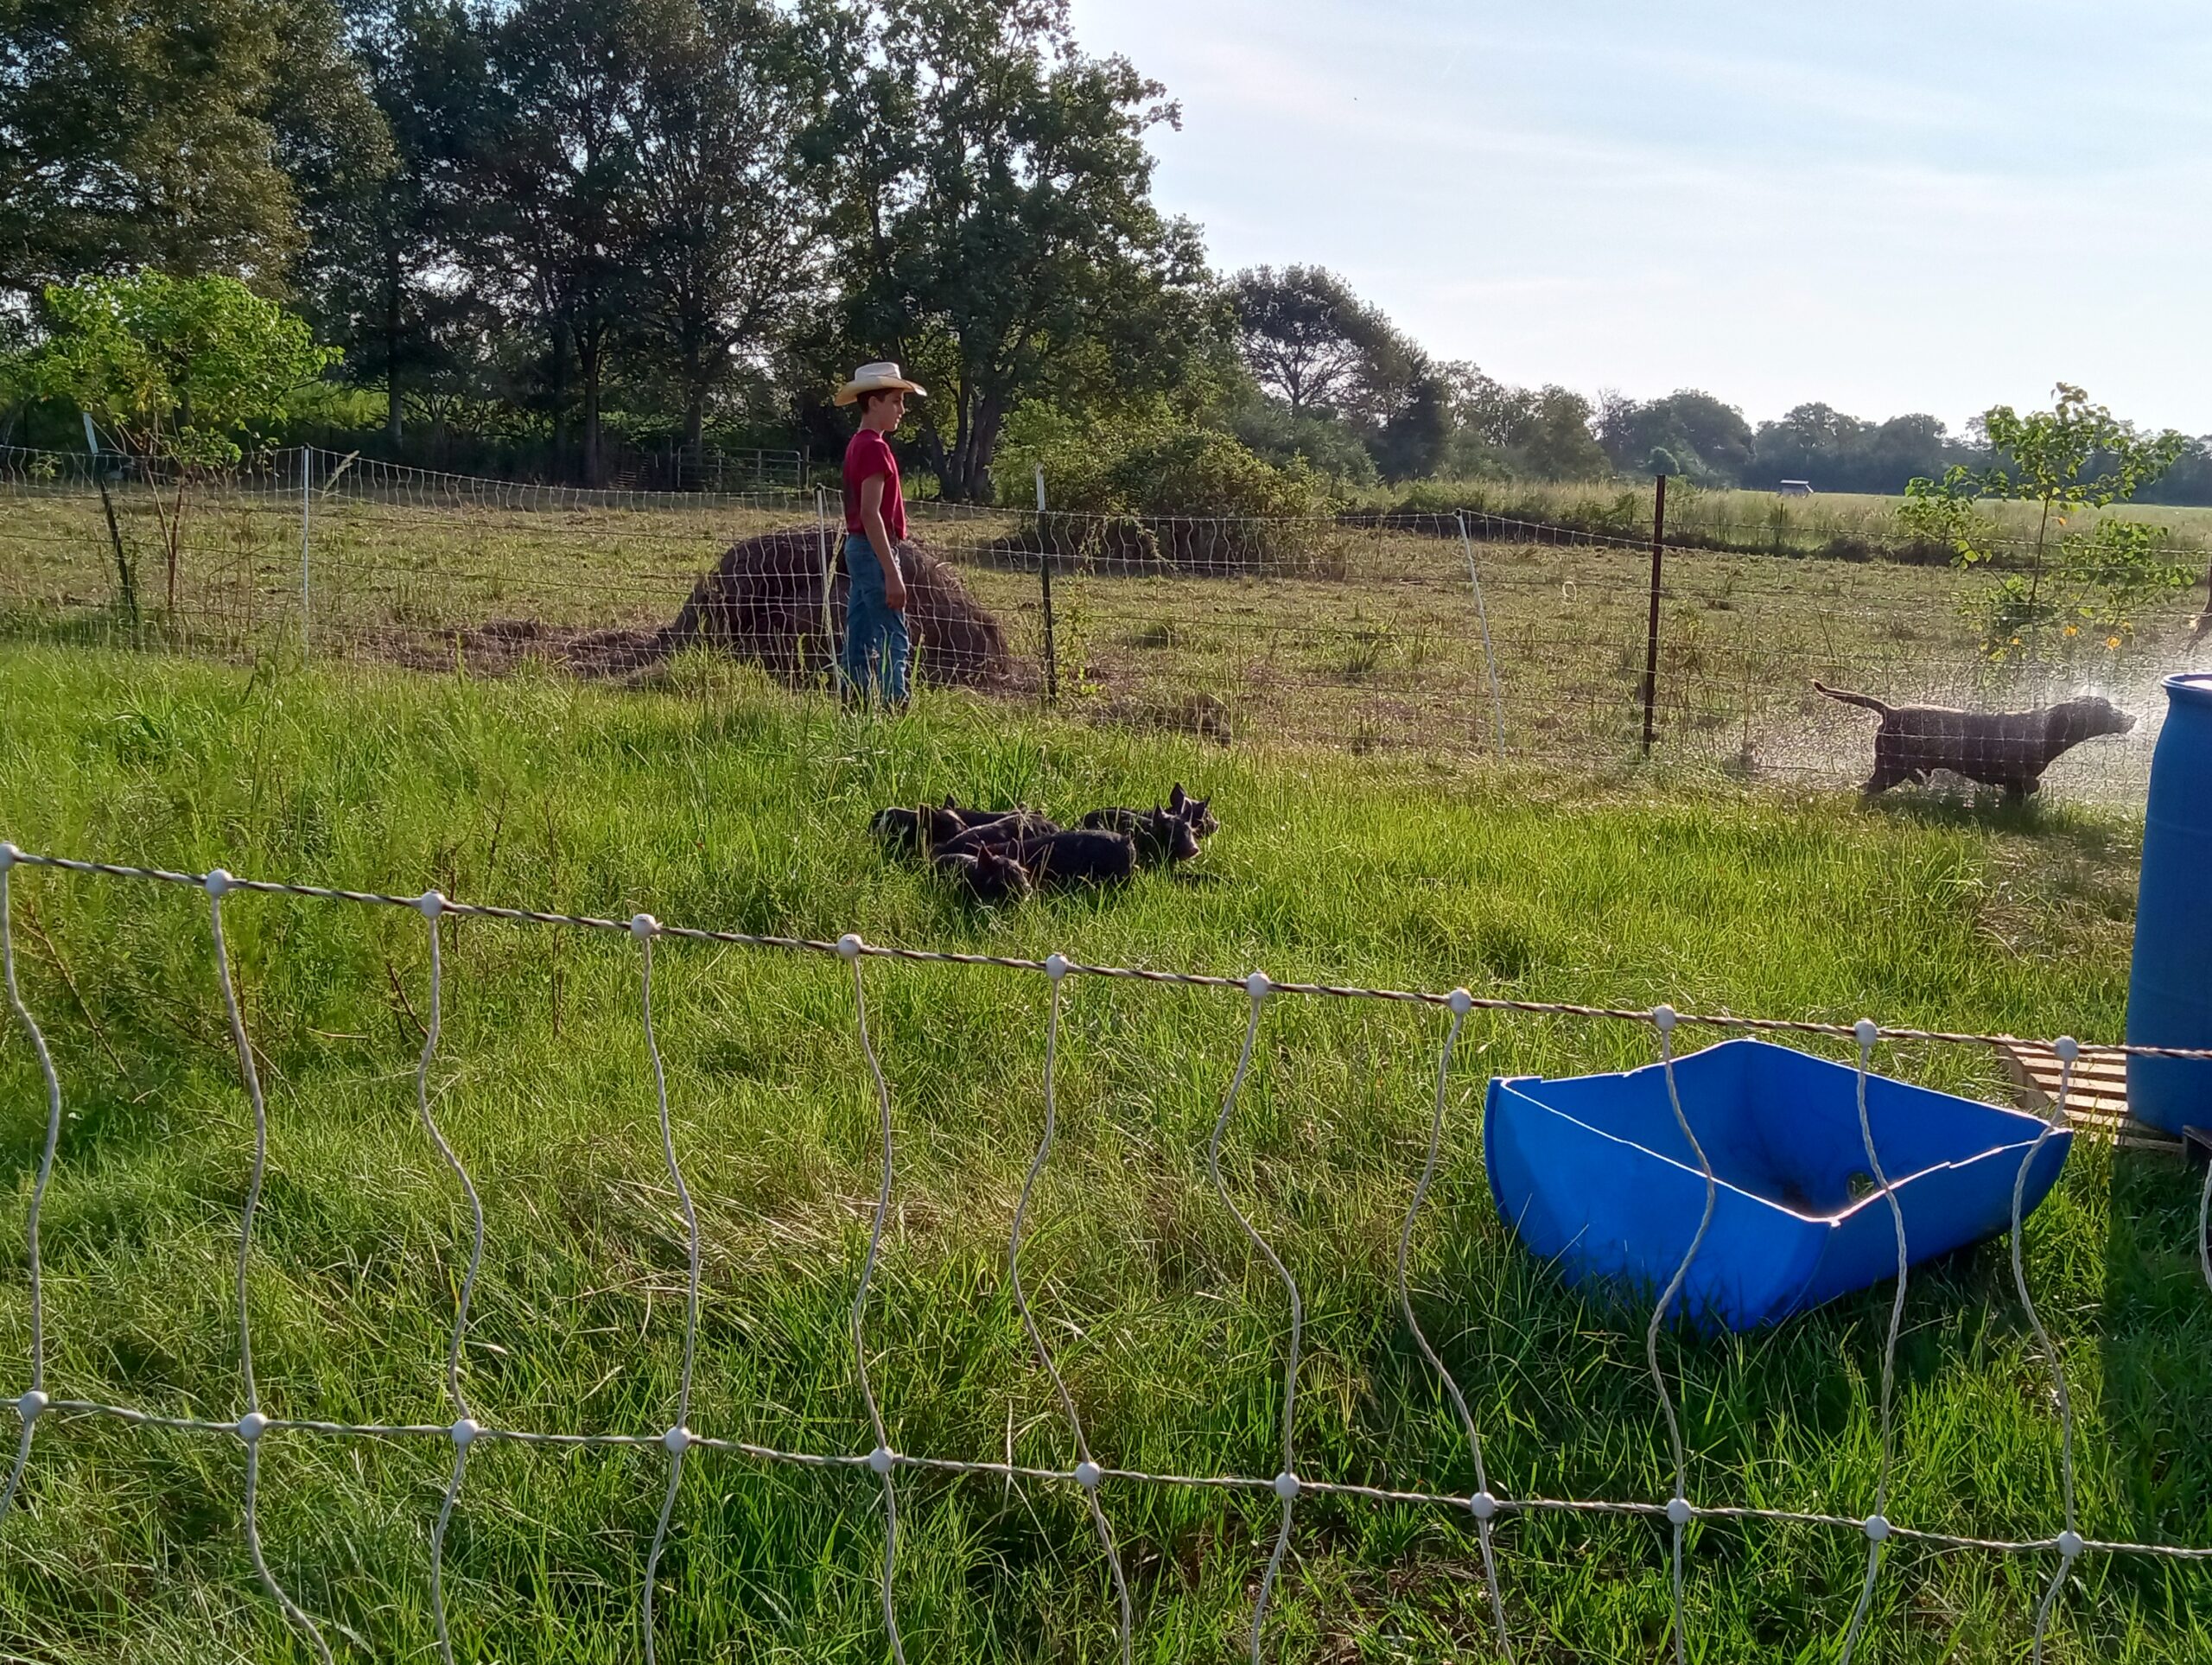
(2170, 993)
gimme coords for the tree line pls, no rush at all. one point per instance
(1354, 397)
(539, 231)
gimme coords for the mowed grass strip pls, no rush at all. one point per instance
(716, 800)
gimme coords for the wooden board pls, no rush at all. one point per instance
(2096, 1099)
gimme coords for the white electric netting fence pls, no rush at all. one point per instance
(1457, 634)
(1093, 1479)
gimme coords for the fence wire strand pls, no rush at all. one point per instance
(1345, 631)
(463, 1430)
(882, 1460)
(253, 1427)
(1285, 1482)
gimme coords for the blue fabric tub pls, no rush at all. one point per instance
(1593, 1173)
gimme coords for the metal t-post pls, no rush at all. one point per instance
(1652, 630)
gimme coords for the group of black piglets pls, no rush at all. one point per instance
(1000, 856)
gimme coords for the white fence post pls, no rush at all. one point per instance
(1482, 615)
(1044, 591)
(306, 544)
(822, 545)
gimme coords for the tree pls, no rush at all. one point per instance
(1414, 436)
(178, 369)
(1558, 443)
(2074, 456)
(1331, 448)
(549, 229)
(1305, 336)
(999, 228)
(1711, 440)
(728, 215)
(183, 136)
(1840, 452)
(1498, 414)
(2190, 480)
(382, 267)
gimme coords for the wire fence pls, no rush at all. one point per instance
(48, 1403)
(1435, 635)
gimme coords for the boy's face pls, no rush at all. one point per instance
(886, 410)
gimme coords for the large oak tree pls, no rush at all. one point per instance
(999, 236)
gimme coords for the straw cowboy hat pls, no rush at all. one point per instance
(877, 378)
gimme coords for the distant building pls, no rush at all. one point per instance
(1794, 488)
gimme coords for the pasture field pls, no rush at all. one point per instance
(1368, 640)
(711, 798)
(1748, 519)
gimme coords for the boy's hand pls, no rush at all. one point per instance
(894, 590)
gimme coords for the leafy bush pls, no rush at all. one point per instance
(1189, 497)
(180, 369)
(2079, 589)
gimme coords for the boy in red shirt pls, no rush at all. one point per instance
(877, 645)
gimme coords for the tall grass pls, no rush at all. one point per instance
(717, 800)
(1839, 523)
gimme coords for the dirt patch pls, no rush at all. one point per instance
(500, 646)
(763, 602)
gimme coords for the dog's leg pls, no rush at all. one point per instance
(1889, 768)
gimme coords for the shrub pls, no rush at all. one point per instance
(1193, 498)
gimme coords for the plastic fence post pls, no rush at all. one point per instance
(1044, 588)
(307, 545)
(1482, 617)
(822, 544)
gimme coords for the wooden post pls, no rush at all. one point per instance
(1651, 629)
(1045, 585)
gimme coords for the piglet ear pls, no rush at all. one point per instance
(1176, 796)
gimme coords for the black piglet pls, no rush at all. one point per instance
(1160, 836)
(1081, 856)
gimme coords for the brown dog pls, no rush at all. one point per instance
(1998, 748)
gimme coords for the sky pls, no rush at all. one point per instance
(1887, 207)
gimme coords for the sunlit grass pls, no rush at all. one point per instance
(716, 800)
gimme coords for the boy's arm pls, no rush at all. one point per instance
(894, 586)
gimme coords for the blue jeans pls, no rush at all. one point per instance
(877, 646)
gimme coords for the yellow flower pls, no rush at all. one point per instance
(2073, 630)
(2111, 641)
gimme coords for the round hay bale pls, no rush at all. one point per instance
(763, 601)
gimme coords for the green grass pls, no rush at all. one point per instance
(716, 800)
(1380, 650)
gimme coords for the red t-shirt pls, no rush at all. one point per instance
(866, 456)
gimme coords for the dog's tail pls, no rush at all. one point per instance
(1866, 700)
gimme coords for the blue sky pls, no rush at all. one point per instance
(1886, 207)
